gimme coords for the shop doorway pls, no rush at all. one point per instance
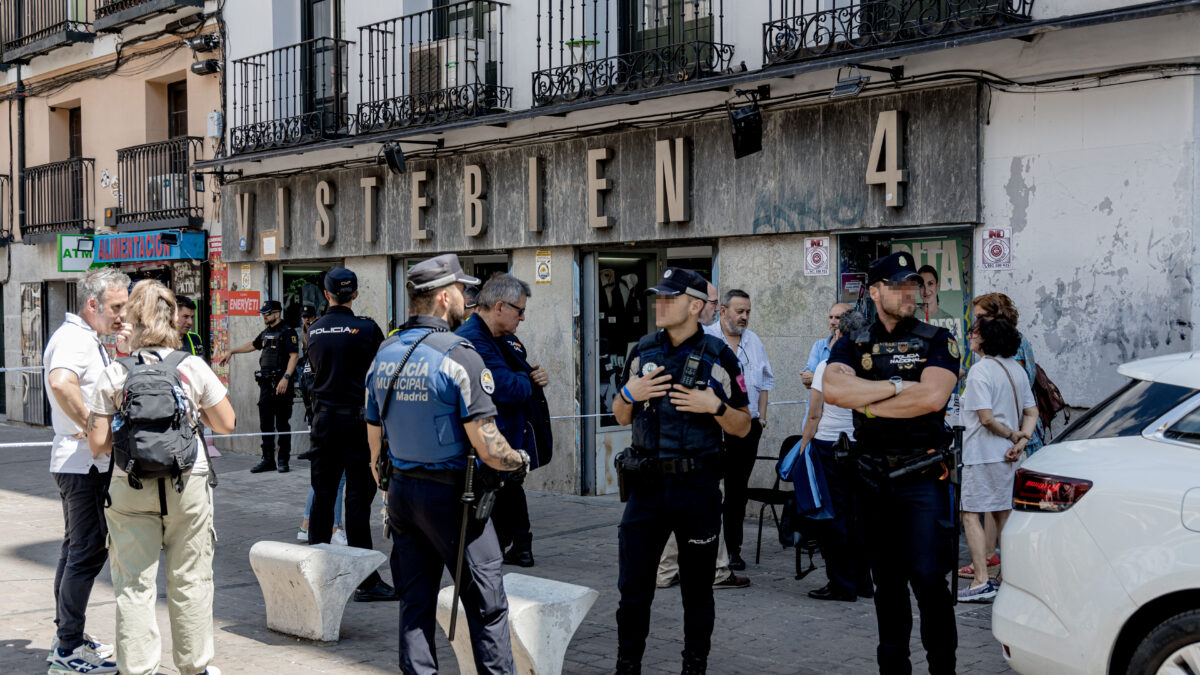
(616, 314)
(303, 285)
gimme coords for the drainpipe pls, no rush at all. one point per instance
(18, 179)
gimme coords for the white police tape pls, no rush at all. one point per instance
(13, 370)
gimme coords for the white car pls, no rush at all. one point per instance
(1101, 556)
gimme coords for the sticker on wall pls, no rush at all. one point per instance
(816, 256)
(245, 285)
(541, 267)
(996, 248)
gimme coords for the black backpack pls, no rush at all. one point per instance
(155, 430)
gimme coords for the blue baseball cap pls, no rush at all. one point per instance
(895, 268)
(340, 280)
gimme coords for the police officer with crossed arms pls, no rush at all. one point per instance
(430, 399)
(897, 375)
(683, 389)
(340, 348)
(276, 384)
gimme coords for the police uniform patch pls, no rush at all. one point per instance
(293, 339)
(650, 367)
(486, 381)
(866, 361)
(952, 347)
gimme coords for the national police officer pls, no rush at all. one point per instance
(897, 376)
(308, 316)
(682, 389)
(340, 348)
(430, 397)
(276, 388)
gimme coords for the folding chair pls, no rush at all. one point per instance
(772, 496)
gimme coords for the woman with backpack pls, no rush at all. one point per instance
(155, 508)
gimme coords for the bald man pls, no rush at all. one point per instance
(820, 349)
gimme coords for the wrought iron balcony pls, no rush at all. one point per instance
(289, 96)
(58, 199)
(591, 48)
(113, 15)
(29, 28)
(156, 185)
(426, 68)
(808, 29)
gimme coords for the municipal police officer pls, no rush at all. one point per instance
(276, 386)
(682, 389)
(430, 397)
(340, 348)
(897, 376)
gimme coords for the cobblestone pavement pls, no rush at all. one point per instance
(771, 627)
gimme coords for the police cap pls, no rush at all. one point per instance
(307, 311)
(270, 306)
(895, 268)
(676, 280)
(436, 272)
(340, 280)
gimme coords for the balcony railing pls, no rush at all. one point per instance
(58, 199)
(809, 29)
(436, 65)
(32, 27)
(156, 185)
(589, 48)
(290, 96)
(112, 15)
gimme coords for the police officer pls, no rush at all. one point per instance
(897, 376)
(429, 408)
(308, 316)
(276, 387)
(682, 389)
(340, 348)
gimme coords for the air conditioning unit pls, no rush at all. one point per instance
(444, 64)
(167, 191)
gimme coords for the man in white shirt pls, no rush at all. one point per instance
(73, 361)
(760, 380)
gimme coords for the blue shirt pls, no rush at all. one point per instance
(819, 352)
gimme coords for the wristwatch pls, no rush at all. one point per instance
(721, 409)
(898, 382)
(287, 376)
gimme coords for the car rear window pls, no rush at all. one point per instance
(1128, 411)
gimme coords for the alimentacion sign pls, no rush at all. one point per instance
(145, 246)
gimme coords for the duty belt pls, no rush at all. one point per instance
(443, 476)
(668, 466)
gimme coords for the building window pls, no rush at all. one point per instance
(177, 109)
(75, 132)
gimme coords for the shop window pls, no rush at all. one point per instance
(177, 109)
(481, 266)
(303, 285)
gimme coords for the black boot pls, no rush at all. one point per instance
(627, 667)
(521, 552)
(267, 464)
(284, 456)
(693, 665)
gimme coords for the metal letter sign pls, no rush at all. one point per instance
(887, 148)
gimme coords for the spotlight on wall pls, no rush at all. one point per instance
(203, 43)
(169, 238)
(745, 122)
(851, 81)
(393, 155)
(206, 67)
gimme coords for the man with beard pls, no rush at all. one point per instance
(429, 396)
(759, 380)
(896, 376)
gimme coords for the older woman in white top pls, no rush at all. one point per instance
(144, 522)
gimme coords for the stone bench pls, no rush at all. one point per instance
(305, 588)
(543, 615)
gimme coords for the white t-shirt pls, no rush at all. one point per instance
(74, 347)
(200, 383)
(834, 420)
(988, 389)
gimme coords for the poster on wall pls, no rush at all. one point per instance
(218, 286)
(944, 295)
(852, 286)
(816, 256)
(996, 248)
(243, 303)
(541, 267)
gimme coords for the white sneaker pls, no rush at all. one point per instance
(102, 650)
(83, 660)
(212, 670)
(302, 534)
(339, 538)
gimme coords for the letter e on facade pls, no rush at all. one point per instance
(324, 195)
(419, 204)
(474, 196)
(672, 181)
(597, 186)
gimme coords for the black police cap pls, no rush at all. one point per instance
(893, 268)
(676, 280)
(307, 311)
(340, 280)
(270, 306)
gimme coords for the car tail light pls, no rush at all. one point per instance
(1033, 491)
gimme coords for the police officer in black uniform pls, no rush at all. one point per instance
(276, 384)
(682, 389)
(430, 397)
(308, 315)
(897, 375)
(340, 348)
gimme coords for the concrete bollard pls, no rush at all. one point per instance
(305, 588)
(543, 616)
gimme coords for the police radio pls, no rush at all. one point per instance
(690, 370)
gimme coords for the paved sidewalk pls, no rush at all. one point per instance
(771, 627)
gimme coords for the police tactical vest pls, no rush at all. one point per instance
(425, 401)
(272, 356)
(904, 356)
(657, 426)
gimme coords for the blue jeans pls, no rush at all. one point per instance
(337, 503)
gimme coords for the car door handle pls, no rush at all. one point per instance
(1190, 512)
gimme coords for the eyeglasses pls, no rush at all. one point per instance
(520, 310)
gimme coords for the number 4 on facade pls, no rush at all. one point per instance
(885, 165)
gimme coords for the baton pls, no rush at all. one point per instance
(467, 499)
(956, 500)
